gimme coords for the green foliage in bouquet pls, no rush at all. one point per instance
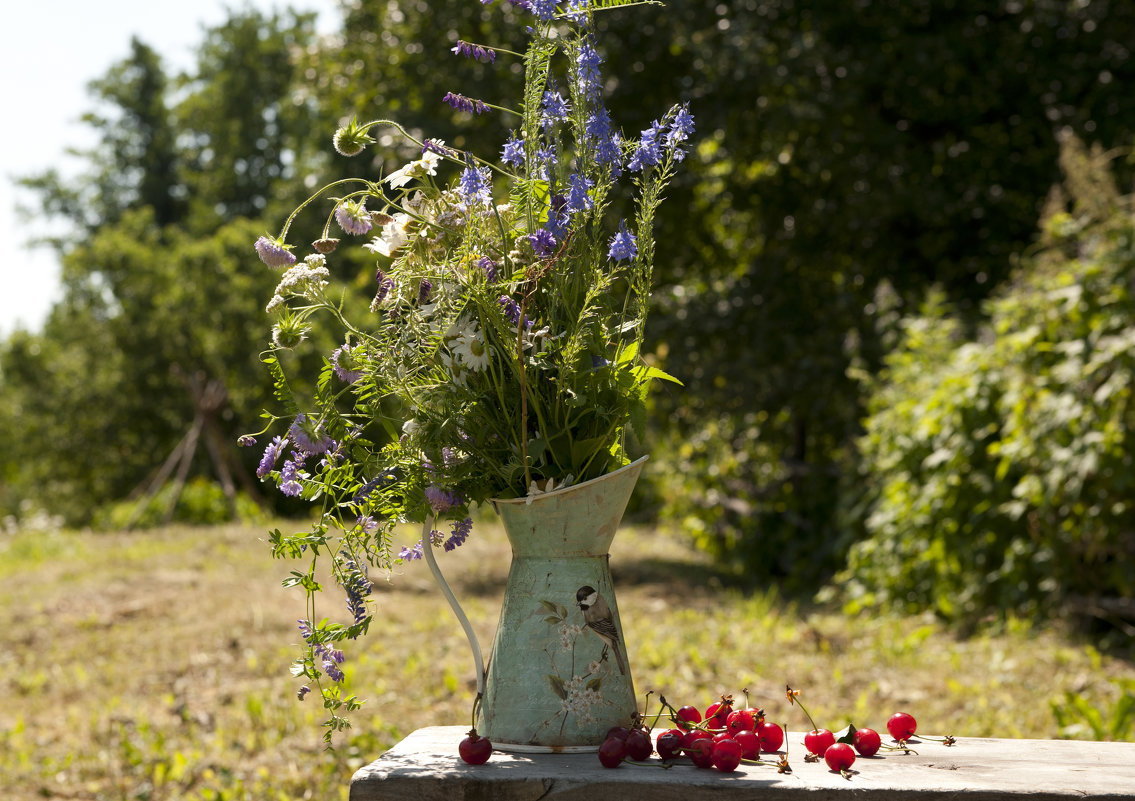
(501, 352)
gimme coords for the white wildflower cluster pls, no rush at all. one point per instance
(306, 279)
(580, 699)
(568, 633)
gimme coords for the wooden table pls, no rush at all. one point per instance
(425, 767)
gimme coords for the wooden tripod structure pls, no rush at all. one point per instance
(209, 399)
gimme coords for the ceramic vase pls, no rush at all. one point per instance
(558, 676)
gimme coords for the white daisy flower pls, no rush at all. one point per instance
(395, 234)
(470, 347)
(426, 165)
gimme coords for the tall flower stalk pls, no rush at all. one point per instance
(502, 352)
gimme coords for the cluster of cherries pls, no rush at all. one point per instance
(725, 737)
(722, 739)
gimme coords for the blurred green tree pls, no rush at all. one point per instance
(851, 155)
(1000, 469)
(162, 295)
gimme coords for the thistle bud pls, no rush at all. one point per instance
(326, 245)
(290, 331)
(351, 139)
(380, 219)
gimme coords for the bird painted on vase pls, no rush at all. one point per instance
(597, 616)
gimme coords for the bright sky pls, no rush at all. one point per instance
(51, 52)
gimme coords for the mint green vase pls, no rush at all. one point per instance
(558, 676)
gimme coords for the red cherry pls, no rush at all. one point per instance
(619, 732)
(902, 726)
(818, 741)
(474, 749)
(701, 752)
(689, 714)
(612, 751)
(727, 755)
(771, 737)
(750, 744)
(867, 742)
(758, 714)
(638, 745)
(717, 715)
(740, 720)
(669, 744)
(839, 757)
(693, 735)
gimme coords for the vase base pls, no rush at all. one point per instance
(524, 748)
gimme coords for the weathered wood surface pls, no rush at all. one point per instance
(425, 767)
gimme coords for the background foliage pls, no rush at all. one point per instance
(1000, 467)
(853, 160)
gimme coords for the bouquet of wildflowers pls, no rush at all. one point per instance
(501, 353)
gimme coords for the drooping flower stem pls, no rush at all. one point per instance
(318, 194)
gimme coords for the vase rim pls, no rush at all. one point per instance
(527, 499)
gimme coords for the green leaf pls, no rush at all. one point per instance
(557, 686)
(646, 372)
(846, 735)
(280, 387)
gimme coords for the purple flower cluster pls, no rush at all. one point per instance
(555, 109)
(346, 363)
(290, 474)
(463, 103)
(623, 244)
(578, 197)
(543, 243)
(544, 10)
(668, 135)
(490, 268)
(385, 284)
(274, 253)
(365, 490)
(605, 140)
(436, 146)
(577, 11)
(441, 500)
(309, 436)
(513, 151)
(460, 533)
(511, 309)
(330, 658)
(485, 55)
(546, 160)
(648, 150)
(271, 456)
(681, 126)
(476, 187)
(410, 554)
(587, 74)
(353, 217)
(424, 290)
(357, 585)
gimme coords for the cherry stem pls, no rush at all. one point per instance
(794, 697)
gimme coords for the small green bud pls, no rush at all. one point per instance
(351, 139)
(290, 331)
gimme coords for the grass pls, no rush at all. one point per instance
(154, 665)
